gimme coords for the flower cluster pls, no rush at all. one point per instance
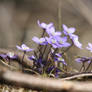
(55, 40)
(49, 59)
(73, 37)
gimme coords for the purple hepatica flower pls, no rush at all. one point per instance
(10, 55)
(83, 59)
(75, 41)
(23, 47)
(41, 41)
(44, 25)
(52, 41)
(89, 47)
(59, 58)
(49, 28)
(58, 42)
(51, 31)
(68, 31)
(62, 42)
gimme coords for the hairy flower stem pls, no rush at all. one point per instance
(40, 49)
(82, 67)
(44, 51)
(23, 59)
(35, 54)
(67, 48)
(55, 51)
(43, 33)
(88, 66)
(47, 55)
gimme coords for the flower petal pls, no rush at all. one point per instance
(65, 27)
(28, 50)
(18, 47)
(71, 30)
(42, 25)
(35, 39)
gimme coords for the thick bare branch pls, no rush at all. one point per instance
(40, 83)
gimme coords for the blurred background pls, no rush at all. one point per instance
(18, 22)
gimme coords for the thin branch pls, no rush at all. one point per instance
(78, 75)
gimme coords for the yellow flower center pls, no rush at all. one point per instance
(25, 48)
(53, 33)
(41, 41)
(68, 31)
(53, 41)
(60, 59)
(60, 41)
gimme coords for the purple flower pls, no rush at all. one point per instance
(83, 59)
(89, 47)
(68, 31)
(51, 31)
(23, 47)
(52, 41)
(75, 41)
(10, 55)
(41, 41)
(59, 58)
(49, 28)
(44, 25)
(58, 42)
(62, 42)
